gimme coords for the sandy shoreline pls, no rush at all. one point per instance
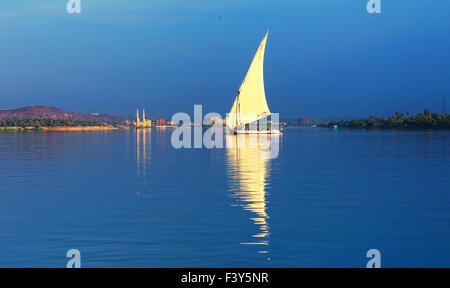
(78, 128)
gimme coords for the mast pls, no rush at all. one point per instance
(237, 109)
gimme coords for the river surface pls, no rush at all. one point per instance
(130, 199)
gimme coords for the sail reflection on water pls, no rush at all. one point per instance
(249, 170)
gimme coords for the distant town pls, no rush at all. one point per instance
(147, 123)
(44, 118)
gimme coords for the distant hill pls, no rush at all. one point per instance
(45, 112)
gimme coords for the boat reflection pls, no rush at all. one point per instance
(249, 170)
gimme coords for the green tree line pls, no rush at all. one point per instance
(425, 120)
(49, 123)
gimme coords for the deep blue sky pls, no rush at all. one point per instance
(326, 58)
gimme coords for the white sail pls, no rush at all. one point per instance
(250, 104)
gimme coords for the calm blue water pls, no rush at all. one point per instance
(128, 199)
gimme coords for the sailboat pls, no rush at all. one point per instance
(250, 104)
